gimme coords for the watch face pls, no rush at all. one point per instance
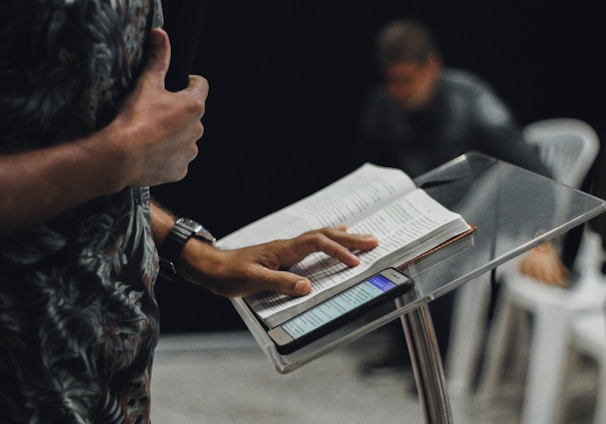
(195, 226)
(205, 235)
(198, 230)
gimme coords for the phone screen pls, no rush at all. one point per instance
(309, 325)
(338, 305)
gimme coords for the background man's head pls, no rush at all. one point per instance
(410, 62)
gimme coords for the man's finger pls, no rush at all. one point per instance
(284, 282)
(158, 60)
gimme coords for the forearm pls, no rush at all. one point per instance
(40, 184)
(162, 222)
(250, 270)
(507, 144)
(195, 258)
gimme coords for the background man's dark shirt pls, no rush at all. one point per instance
(464, 115)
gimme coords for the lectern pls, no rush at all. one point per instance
(513, 210)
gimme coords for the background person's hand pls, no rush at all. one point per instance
(544, 264)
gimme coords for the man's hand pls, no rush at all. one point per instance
(155, 132)
(254, 269)
(151, 141)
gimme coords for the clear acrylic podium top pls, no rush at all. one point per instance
(513, 210)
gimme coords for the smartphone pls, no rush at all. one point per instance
(338, 310)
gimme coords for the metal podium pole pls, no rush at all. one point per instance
(427, 365)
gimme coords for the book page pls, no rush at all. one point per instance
(406, 228)
(343, 202)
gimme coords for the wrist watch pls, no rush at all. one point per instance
(171, 248)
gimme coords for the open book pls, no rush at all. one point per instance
(372, 199)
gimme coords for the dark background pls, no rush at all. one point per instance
(288, 78)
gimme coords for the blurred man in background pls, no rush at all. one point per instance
(425, 114)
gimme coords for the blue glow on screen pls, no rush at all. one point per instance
(338, 305)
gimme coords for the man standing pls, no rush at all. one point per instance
(86, 126)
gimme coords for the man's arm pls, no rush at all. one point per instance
(38, 185)
(500, 136)
(151, 141)
(242, 272)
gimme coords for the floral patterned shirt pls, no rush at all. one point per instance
(78, 318)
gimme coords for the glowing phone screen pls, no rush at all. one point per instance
(338, 305)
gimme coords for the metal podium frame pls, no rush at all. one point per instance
(513, 210)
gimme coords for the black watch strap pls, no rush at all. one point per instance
(171, 248)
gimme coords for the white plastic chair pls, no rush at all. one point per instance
(589, 337)
(568, 147)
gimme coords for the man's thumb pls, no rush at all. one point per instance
(158, 59)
